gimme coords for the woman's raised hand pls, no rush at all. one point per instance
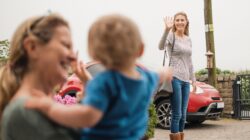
(169, 22)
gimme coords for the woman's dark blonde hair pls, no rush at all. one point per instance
(114, 40)
(186, 32)
(42, 29)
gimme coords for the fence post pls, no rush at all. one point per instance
(236, 97)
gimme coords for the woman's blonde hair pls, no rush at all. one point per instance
(114, 40)
(42, 29)
(186, 32)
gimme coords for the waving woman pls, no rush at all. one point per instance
(177, 31)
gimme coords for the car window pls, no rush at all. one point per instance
(95, 69)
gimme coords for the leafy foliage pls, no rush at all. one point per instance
(218, 71)
(4, 49)
(243, 72)
(201, 72)
(151, 122)
(245, 87)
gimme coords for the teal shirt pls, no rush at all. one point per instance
(124, 103)
(19, 123)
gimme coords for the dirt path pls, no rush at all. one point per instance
(224, 129)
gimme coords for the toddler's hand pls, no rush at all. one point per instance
(39, 101)
(80, 70)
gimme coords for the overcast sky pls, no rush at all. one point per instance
(231, 25)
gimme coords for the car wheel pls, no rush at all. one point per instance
(163, 110)
(196, 121)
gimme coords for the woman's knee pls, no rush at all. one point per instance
(176, 116)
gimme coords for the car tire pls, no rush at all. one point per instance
(163, 110)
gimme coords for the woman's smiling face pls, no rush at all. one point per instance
(180, 23)
(54, 57)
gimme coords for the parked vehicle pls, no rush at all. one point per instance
(205, 103)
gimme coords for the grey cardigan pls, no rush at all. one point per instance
(181, 61)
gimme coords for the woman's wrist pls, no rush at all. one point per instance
(167, 29)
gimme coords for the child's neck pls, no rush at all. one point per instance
(130, 72)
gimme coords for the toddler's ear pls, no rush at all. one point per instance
(141, 50)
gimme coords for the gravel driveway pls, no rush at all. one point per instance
(223, 129)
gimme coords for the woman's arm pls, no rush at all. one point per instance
(191, 71)
(168, 26)
(163, 39)
(192, 75)
(191, 67)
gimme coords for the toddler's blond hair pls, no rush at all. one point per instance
(115, 41)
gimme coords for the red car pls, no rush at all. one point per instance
(205, 103)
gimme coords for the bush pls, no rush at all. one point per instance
(243, 72)
(4, 49)
(245, 87)
(218, 71)
(151, 122)
(201, 72)
(4, 52)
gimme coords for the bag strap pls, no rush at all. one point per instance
(165, 52)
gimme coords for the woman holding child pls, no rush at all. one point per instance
(40, 54)
(116, 101)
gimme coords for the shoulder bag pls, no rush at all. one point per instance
(166, 86)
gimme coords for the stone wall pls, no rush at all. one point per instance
(224, 86)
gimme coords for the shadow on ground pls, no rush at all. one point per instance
(207, 126)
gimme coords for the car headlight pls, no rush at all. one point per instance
(198, 90)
